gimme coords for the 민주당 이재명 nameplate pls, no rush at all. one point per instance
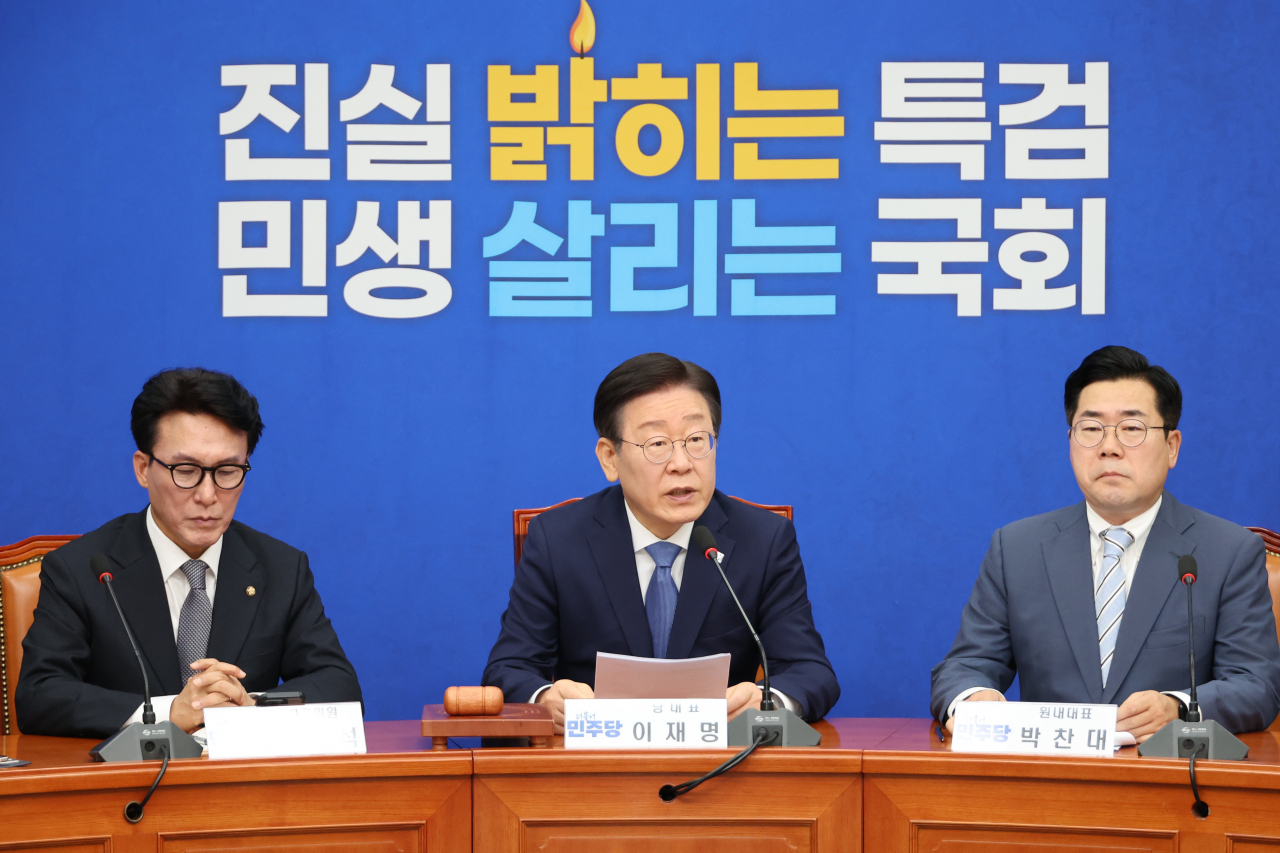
(1042, 728)
(645, 723)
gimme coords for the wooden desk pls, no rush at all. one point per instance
(919, 796)
(876, 785)
(561, 801)
(396, 798)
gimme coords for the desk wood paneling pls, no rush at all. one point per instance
(785, 800)
(396, 799)
(919, 796)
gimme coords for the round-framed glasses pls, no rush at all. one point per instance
(698, 445)
(188, 475)
(1130, 432)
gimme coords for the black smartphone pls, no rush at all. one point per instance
(282, 697)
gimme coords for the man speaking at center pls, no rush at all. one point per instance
(613, 572)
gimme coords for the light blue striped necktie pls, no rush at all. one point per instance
(1109, 597)
(660, 599)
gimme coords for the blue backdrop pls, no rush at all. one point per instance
(395, 449)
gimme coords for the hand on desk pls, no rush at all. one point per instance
(1143, 714)
(217, 684)
(742, 696)
(553, 697)
(980, 696)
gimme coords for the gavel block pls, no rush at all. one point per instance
(481, 712)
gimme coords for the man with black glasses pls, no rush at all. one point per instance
(614, 572)
(1084, 604)
(219, 610)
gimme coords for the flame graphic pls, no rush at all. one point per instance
(582, 35)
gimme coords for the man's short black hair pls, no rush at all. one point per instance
(645, 374)
(195, 391)
(1111, 363)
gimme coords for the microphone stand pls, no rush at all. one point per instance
(1195, 736)
(148, 739)
(780, 726)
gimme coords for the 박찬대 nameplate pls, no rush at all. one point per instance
(1034, 727)
(645, 723)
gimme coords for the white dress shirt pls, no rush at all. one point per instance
(176, 588)
(1139, 527)
(641, 538)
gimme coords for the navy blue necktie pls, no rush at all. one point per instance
(660, 599)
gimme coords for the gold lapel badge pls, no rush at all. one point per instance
(250, 591)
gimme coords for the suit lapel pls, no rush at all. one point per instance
(1070, 568)
(1153, 582)
(233, 607)
(616, 563)
(140, 588)
(698, 585)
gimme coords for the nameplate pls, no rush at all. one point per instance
(285, 731)
(645, 723)
(1034, 727)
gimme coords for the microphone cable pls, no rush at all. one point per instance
(1199, 808)
(133, 811)
(670, 792)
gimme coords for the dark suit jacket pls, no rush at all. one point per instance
(576, 592)
(1032, 611)
(79, 674)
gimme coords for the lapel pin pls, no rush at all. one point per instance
(250, 591)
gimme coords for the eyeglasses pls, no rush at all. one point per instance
(658, 449)
(1130, 432)
(188, 475)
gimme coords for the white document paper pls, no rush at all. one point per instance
(627, 677)
(1042, 728)
(285, 731)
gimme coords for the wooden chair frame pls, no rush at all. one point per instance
(16, 556)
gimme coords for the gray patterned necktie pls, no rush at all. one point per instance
(194, 621)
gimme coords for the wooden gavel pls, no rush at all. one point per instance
(473, 701)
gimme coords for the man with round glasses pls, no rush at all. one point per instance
(614, 573)
(1085, 604)
(219, 610)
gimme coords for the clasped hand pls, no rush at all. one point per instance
(738, 698)
(215, 685)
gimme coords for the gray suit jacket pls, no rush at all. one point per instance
(1032, 613)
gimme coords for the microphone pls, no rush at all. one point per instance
(103, 570)
(148, 739)
(1187, 568)
(706, 543)
(771, 725)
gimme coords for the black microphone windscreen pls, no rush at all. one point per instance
(101, 566)
(702, 539)
(1187, 566)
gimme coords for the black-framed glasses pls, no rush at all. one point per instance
(659, 448)
(1130, 432)
(188, 475)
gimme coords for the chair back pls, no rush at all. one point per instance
(521, 517)
(19, 592)
(1271, 541)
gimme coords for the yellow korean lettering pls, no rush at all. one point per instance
(543, 84)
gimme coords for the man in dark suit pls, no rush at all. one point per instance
(219, 610)
(614, 572)
(1085, 603)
